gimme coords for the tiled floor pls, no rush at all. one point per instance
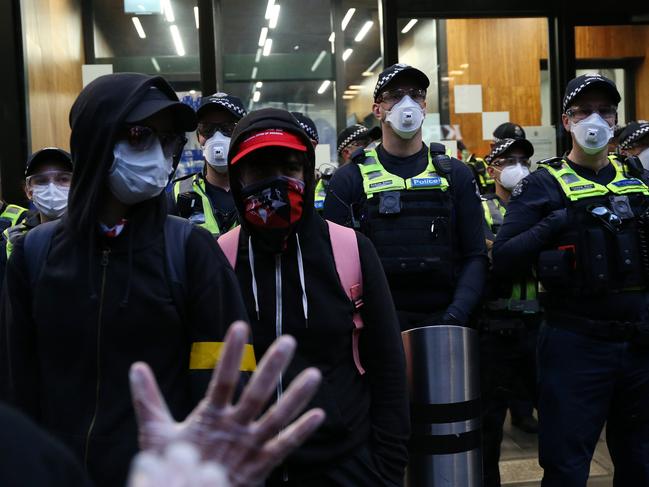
(519, 465)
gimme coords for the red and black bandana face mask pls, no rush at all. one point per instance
(274, 204)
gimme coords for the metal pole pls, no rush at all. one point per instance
(444, 387)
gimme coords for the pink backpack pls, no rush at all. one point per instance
(348, 267)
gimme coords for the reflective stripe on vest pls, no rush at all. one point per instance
(494, 213)
(377, 180)
(197, 185)
(320, 194)
(12, 213)
(577, 188)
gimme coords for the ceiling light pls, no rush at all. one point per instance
(323, 87)
(253, 75)
(447, 78)
(267, 46)
(347, 18)
(464, 66)
(274, 18)
(156, 66)
(258, 55)
(169, 13)
(256, 96)
(348, 97)
(456, 72)
(196, 16)
(355, 87)
(364, 30)
(259, 84)
(178, 42)
(409, 26)
(296, 47)
(351, 92)
(318, 60)
(347, 53)
(138, 27)
(332, 37)
(373, 66)
(262, 36)
(269, 9)
(367, 73)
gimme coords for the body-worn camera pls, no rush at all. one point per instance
(390, 203)
(190, 206)
(621, 207)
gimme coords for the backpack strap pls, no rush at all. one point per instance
(176, 232)
(348, 267)
(229, 243)
(37, 245)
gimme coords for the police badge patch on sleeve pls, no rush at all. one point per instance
(519, 188)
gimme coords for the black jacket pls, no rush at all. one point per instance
(102, 303)
(29, 456)
(369, 410)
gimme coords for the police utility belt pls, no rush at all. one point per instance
(605, 247)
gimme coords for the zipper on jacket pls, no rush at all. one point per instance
(278, 311)
(104, 266)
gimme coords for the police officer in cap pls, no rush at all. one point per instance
(205, 198)
(634, 141)
(581, 220)
(478, 165)
(509, 320)
(355, 137)
(420, 208)
(308, 125)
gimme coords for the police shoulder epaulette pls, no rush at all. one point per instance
(555, 162)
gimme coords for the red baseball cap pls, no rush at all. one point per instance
(272, 137)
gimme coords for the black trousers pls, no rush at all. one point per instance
(507, 372)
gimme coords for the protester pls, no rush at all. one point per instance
(115, 281)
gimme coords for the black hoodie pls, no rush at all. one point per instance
(369, 411)
(102, 303)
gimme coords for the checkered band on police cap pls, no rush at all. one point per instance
(637, 132)
(309, 131)
(500, 147)
(231, 103)
(578, 84)
(359, 132)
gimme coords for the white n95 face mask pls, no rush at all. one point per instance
(51, 200)
(405, 117)
(512, 175)
(136, 176)
(215, 151)
(592, 133)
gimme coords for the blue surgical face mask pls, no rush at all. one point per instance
(136, 176)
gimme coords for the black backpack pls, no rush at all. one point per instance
(176, 232)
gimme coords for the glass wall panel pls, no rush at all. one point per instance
(483, 72)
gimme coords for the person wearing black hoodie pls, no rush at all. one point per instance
(102, 298)
(285, 266)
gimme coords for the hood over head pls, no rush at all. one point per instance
(97, 115)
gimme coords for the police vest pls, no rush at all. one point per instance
(524, 294)
(409, 221)
(203, 216)
(320, 194)
(596, 255)
(11, 215)
(486, 183)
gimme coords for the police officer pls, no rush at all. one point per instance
(48, 175)
(205, 198)
(509, 321)
(634, 141)
(582, 221)
(478, 165)
(355, 137)
(420, 208)
(308, 125)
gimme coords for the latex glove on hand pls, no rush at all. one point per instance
(230, 434)
(179, 466)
